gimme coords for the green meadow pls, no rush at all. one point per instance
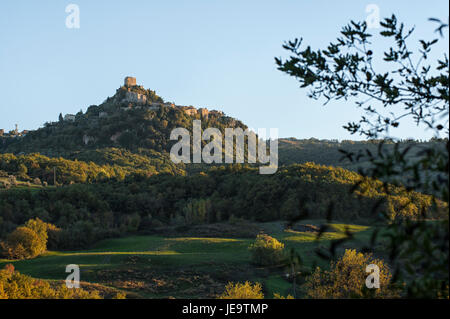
(157, 266)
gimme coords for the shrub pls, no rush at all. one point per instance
(267, 251)
(23, 243)
(14, 285)
(242, 291)
(27, 241)
(347, 279)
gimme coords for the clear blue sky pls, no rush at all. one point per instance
(209, 53)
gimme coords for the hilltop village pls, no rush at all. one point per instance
(13, 133)
(128, 97)
(131, 95)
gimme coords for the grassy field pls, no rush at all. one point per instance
(21, 185)
(156, 266)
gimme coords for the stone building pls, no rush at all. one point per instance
(129, 81)
(135, 97)
(69, 117)
(189, 110)
(2, 132)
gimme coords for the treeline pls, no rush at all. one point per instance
(328, 152)
(86, 213)
(94, 166)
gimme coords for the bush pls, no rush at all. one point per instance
(267, 251)
(14, 285)
(27, 241)
(347, 279)
(23, 243)
(242, 291)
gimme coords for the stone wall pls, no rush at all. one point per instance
(135, 97)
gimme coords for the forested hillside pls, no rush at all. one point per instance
(330, 152)
(89, 212)
(130, 129)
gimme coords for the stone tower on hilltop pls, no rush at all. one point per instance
(131, 95)
(130, 81)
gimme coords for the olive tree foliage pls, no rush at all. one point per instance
(412, 86)
(346, 70)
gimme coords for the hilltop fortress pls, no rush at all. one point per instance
(133, 96)
(136, 94)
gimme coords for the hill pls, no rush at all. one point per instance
(134, 118)
(330, 152)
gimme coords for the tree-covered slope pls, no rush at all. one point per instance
(115, 123)
(88, 212)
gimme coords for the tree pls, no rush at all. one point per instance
(267, 251)
(346, 70)
(246, 290)
(413, 89)
(346, 279)
(23, 243)
(60, 118)
(27, 241)
(23, 170)
(40, 228)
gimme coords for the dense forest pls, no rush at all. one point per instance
(113, 207)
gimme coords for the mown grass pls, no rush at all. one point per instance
(202, 254)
